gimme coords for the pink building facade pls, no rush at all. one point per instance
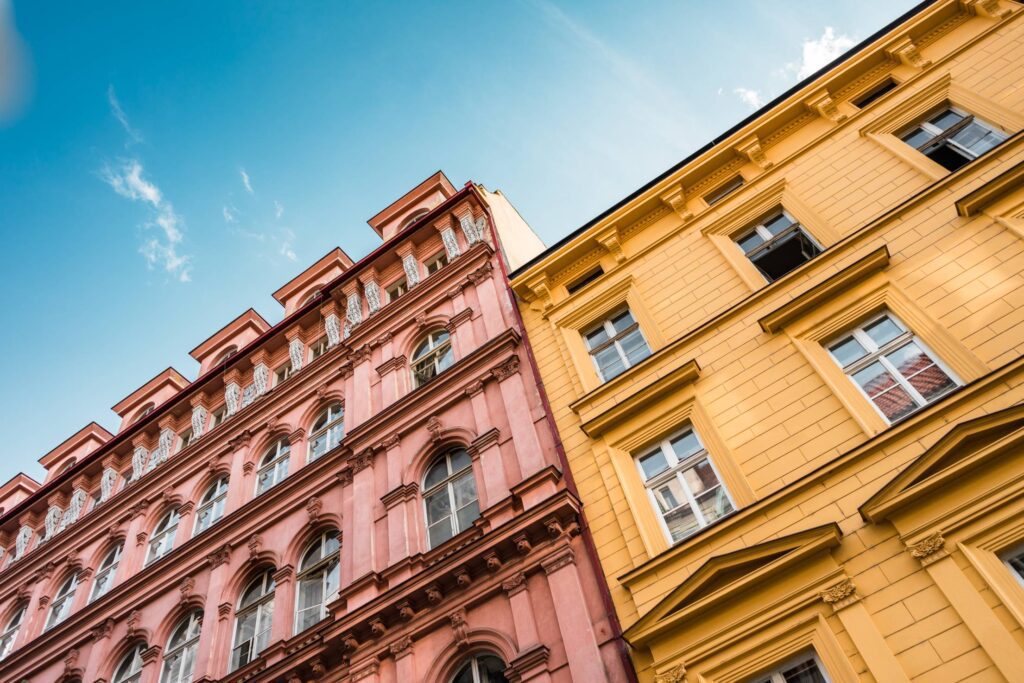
(369, 490)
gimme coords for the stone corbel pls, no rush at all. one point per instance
(296, 348)
(750, 148)
(371, 290)
(539, 287)
(905, 51)
(842, 594)
(611, 240)
(199, 414)
(985, 8)
(675, 674)
(931, 549)
(410, 264)
(675, 199)
(822, 104)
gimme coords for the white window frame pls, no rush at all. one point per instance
(133, 658)
(318, 348)
(219, 417)
(1016, 556)
(401, 286)
(724, 190)
(327, 429)
(269, 592)
(614, 340)
(281, 451)
(11, 630)
(63, 601)
(430, 351)
(768, 238)
(775, 674)
(876, 353)
(937, 132)
(325, 566)
(283, 372)
(185, 664)
(161, 543)
(448, 485)
(474, 664)
(214, 500)
(108, 568)
(436, 262)
(674, 471)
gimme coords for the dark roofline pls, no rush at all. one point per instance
(917, 9)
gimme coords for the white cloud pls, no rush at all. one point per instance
(245, 181)
(751, 98)
(818, 53)
(159, 250)
(118, 112)
(286, 245)
(229, 214)
(278, 209)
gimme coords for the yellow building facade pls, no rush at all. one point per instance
(788, 374)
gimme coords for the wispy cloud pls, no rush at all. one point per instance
(245, 181)
(751, 98)
(229, 214)
(15, 67)
(816, 53)
(286, 249)
(278, 209)
(118, 111)
(162, 249)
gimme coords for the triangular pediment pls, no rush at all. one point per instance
(727, 575)
(966, 446)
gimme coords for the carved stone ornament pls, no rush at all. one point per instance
(313, 508)
(349, 642)
(405, 611)
(198, 421)
(248, 395)
(400, 647)
(469, 229)
(493, 562)
(906, 51)
(332, 324)
(164, 445)
(463, 578)
(103, 630)
(435, 428)
(460, 630)
(52, 521)
(346, 331)
(451, 245)
(255, 546)
(677, 674)
(523, 545)
(187, 585)
(317, 667)
(507, 369)
(134, 617)
(412, 270)
(295, 349)
(261, 378)
(140, 457)
(434, 595)
(514, 583)
(219, 556)
(840, 595)
(928, 550)
(354, 308)
(377, 628)
(107, 482)
(361, 460)
(232, 398)
(372, 292)
(75, 507)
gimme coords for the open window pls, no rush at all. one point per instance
(777, 245)
(952, 137)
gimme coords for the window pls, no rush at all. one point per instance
(953, 138)
(436, 263)
(481, 669)
(318, 349)
(219, 416)
(273, 466)
(450, 496)
(311, 296)
(582, 282)
(180, 655)
(892, 367)
(282, 373)
(804, 670)
(60, 608)
(1015, 562)
(211, 505)
(105, 575)
(683, 485)
(875, 93)
(777, 245)
(319, 575)
(616, 344)
(11, 630)
(68, 464)
(184, 439)
(130, 668)
(162, 540)
(228, 352)
(253, 619)
(724, 191)
(328, 430)
(432, 357)
(396, 290)
(143, 413)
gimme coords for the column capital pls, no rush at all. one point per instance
(840, 595)
(401, 647)
(563, 558)
(514, 584)
(929, 550)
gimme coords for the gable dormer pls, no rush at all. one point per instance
(146, 398)
(227, 341)
(74, 450)
(304, 287)
(414, 204)
(17, 489)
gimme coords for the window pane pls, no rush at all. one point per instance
(467, 515)
(946, 119)
(438, 507)
(446, 359)
(311, 593)
(931, 382)
(439, 533)
(669, 495)
(874, 379)
(597, 337)
(460, 460)
(848, 351)
(681, 523)
(977, 138)
(751, 241)
(895, 403)
(700, 477)
(805, 672)
(319, 446)
(437, 473)
(917, 137)
(465, 490)
(634, 346)
(685, 445)
(778, 224)
(883, 331)
(609, 362)
(714, 504)
(622, 321)
(654, 463)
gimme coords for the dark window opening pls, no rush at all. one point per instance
(585, 280)
(871, 95)
(724, 191)
(952, 138)
(784, 255)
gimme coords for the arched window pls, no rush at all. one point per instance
(105, 574)
(11, 630)
(129, 670)
(227, 353)
(211, 505)
(413, 217)
(432, 357)
(328, 430)
(318, 580)
(483, 668)
(68, 464)
(143, 412)
(273, 466)
(162, 540)
(180, 655)
(252, 619)
(450, 496)
(60, 608)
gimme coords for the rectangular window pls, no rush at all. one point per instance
(396, 290)
(724, 191)
(184, 439)
(318, 349)
(219, 416)
(806, 669)
(952, 138)
(1015, 561)
(777, 245)
(282, 373)
(582, 282)
(684, 486)
(616, 344)
(875, 93)
(436, 263)
(893, 368)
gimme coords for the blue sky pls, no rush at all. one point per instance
(164, 166)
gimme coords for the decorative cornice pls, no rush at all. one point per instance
(393, 364)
